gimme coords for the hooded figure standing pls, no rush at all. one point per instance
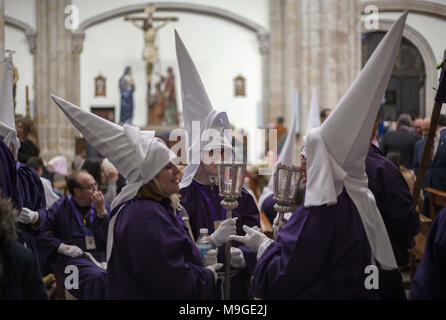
(127, 87)
(199, 190)
(23, 184)
(9, 141)
(331, 246)
(150, 254)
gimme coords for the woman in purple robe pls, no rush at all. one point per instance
(153, 256)
(429, 282)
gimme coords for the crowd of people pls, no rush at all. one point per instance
(128, 221)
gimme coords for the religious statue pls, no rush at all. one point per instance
(150, 52)
(162, 104)
(157, 106)
(169, 95)
(126, 86)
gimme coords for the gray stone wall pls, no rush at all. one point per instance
(314, 43)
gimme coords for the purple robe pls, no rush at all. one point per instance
(320, 253)
(395, 203)
(8, 175)
(201, 216)
(32, 194)
(62, 226)
(91, 277)
(153, 256)
(62, 222)
(268, 208)
(429, 282)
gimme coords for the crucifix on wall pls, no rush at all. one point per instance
(150, 52)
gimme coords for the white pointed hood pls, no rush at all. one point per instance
(288, 156)
(7, 120)
(336, 151)
(314, 119)
(137, 155)
(198, 107)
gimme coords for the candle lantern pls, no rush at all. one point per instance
(286, 185)
(230, 182)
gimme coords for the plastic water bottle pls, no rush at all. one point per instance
(203, 242)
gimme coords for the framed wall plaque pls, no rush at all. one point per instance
(239, 86)
(99, 86)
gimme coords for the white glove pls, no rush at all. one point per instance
(224, 230)
(28, 216)
(252, 239)
(214, 268)
(71, 251)
(210, 258)
(237, 258)
(257, 228)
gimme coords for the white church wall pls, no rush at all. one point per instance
(23, 60)
(220, 49)
(15, 39)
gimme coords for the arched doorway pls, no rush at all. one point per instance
(405, 92)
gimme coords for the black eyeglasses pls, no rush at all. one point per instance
(90, 186)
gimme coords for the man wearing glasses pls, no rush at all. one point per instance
(75, 233)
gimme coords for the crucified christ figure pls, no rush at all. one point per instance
(150, 52)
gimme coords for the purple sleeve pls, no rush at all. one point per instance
(47, 244)
(8, 173)
(278, 265)
(321, 252)
(268, 208)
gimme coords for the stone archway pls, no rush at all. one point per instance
(30, 32)
(426, 53)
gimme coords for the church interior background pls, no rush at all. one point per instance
(276, 49)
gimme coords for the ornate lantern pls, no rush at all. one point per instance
(230, 182)
(286, 185)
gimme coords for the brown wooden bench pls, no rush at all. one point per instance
(266, 226)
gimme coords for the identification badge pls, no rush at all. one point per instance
(217, 224)
(90, 244)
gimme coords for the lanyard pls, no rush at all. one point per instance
(209, 202)
(78, 216)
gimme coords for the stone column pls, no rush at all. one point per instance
(2, 30)
(274, 105)
(264, 44)
(314, 43)
(77, 39)
(53, 75)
